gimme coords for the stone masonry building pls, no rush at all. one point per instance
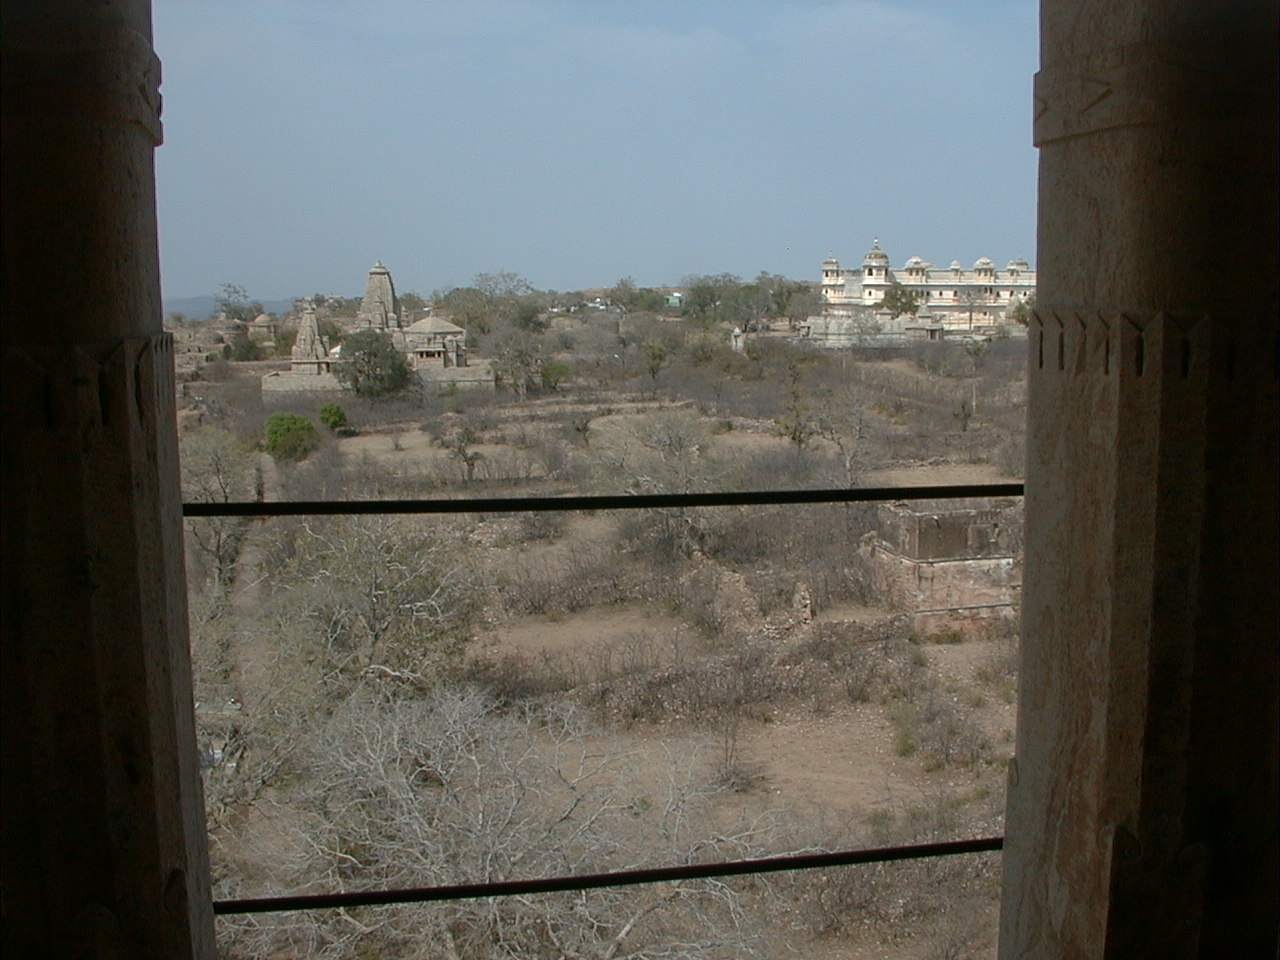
(953, 564)
(954, 298)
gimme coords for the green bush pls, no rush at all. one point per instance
(371, 366)
(289, 436)
(243, 349)
(332, 416)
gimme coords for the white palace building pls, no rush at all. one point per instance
(951, 299)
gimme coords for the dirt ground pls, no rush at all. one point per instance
(833, 764)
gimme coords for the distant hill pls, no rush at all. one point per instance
(197, 308)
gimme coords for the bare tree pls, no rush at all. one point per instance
(218, 467)
(971, 298)
(388, 595)
(450, 789)
(460, 445)
(667, 452)
(843, 421)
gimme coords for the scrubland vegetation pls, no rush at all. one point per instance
(407, 701)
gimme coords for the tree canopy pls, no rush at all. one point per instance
(1022, 309)
(371, 366)
(289, 436)
(899, 300)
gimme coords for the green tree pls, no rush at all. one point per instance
(781, 291)
(492, 297)
(624, 295)
(468, 306)
(554, 372)
(289, 436)
(655, 358)
(899, 300)
(650, 300)
(332, 416)
(526, 315)
(411, 303)
(747, 306)
(371, 366)
(341, 306)
(242, 348)
(705, 294)
(285, 340)
(798, 422)
(518, 359)
(331, 330)
(1022, 309)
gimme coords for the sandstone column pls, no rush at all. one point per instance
(103, 851)
(1142, 807)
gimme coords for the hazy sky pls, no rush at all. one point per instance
(578, 142)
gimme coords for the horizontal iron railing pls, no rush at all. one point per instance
(641, 501)
(619, 878)
(609, 502)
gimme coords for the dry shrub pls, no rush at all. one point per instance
(946, 903)
(580, 579)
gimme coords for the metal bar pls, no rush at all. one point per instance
(621, 878)
(621, 502)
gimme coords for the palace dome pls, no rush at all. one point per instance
(984, 263)
(875, 255)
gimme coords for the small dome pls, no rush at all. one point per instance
(831, 261)
(955, 265)
(915, 262)
(1017, 263)
(984, 263)
(875, 255)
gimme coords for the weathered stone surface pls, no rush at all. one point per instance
(310, 353)
(1142, 806)
(952, 565)
(380, 307)
(104, 849)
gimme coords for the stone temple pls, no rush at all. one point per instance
(380, 308)
(435, 348)
(310, 354)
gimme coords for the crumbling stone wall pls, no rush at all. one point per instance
(951, 566)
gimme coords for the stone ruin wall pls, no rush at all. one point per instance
(953, 568)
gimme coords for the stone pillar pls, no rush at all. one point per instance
(104, 848)
(1142, 806)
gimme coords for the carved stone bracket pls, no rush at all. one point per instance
(1069, 340)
